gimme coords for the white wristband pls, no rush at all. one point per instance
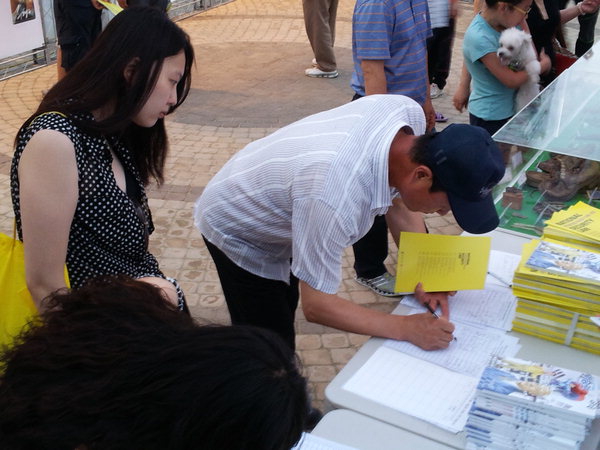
(581, 13)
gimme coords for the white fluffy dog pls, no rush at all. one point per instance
(516, 50)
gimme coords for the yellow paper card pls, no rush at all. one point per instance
(442, 262)
(115, 9)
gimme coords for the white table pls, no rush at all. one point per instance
(362, 432)
(533, 349)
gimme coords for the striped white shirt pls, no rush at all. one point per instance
(307, 191)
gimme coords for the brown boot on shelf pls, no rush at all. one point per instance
(575, 174)
(535, 178)
(551, 165)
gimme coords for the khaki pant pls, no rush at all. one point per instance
(319, 21)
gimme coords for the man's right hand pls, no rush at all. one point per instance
(423, 330)
(428, 332)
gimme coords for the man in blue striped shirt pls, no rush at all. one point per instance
(389, 48)
(280, 213)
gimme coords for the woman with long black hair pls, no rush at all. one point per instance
(83, 159)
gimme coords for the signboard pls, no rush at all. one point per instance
(20, 27)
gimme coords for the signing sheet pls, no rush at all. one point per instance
(469, 353)
(493, 307)
(481, 319)
(415, 387)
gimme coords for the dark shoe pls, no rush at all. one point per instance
(313, 418)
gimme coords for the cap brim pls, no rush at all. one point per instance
(474, 217)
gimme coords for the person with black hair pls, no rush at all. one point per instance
(113, 366)
(491, 101)
(280, 213)
(545, 19)
(83, 159)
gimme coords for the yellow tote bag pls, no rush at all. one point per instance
(16, 304)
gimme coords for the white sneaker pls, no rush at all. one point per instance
(314, 62)
(435, 91)
(383, 284)
(315, 72)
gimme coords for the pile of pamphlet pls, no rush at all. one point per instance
(524, 405)
(558, 280)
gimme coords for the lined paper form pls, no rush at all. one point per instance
(439, 386)
(492, 307)
(415, 387)
(469, 354)
(503, 265)
(480, 318)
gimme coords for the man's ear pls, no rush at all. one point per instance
(423, 173)
(130, 69)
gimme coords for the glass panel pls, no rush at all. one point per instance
(563, 118)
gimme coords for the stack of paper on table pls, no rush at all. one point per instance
(558, 281)
(521, 404)
(439, 386)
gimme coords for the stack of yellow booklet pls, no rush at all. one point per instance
(558, 280)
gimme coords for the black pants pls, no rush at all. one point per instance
(258, 301)
(587, 26)
(371, 250)
(439, 54)
(78, 24)
(491, 126)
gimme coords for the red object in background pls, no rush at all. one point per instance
(563, 62)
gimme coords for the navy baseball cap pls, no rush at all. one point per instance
(468, 164)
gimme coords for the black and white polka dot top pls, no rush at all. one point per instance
(108, 236)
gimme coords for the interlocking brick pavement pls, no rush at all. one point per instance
(248, 81)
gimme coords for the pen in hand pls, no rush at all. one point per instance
(432, 311)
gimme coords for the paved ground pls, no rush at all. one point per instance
(249, 80)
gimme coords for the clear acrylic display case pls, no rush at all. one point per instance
(562, 120)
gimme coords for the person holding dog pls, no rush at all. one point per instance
(491, 103)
